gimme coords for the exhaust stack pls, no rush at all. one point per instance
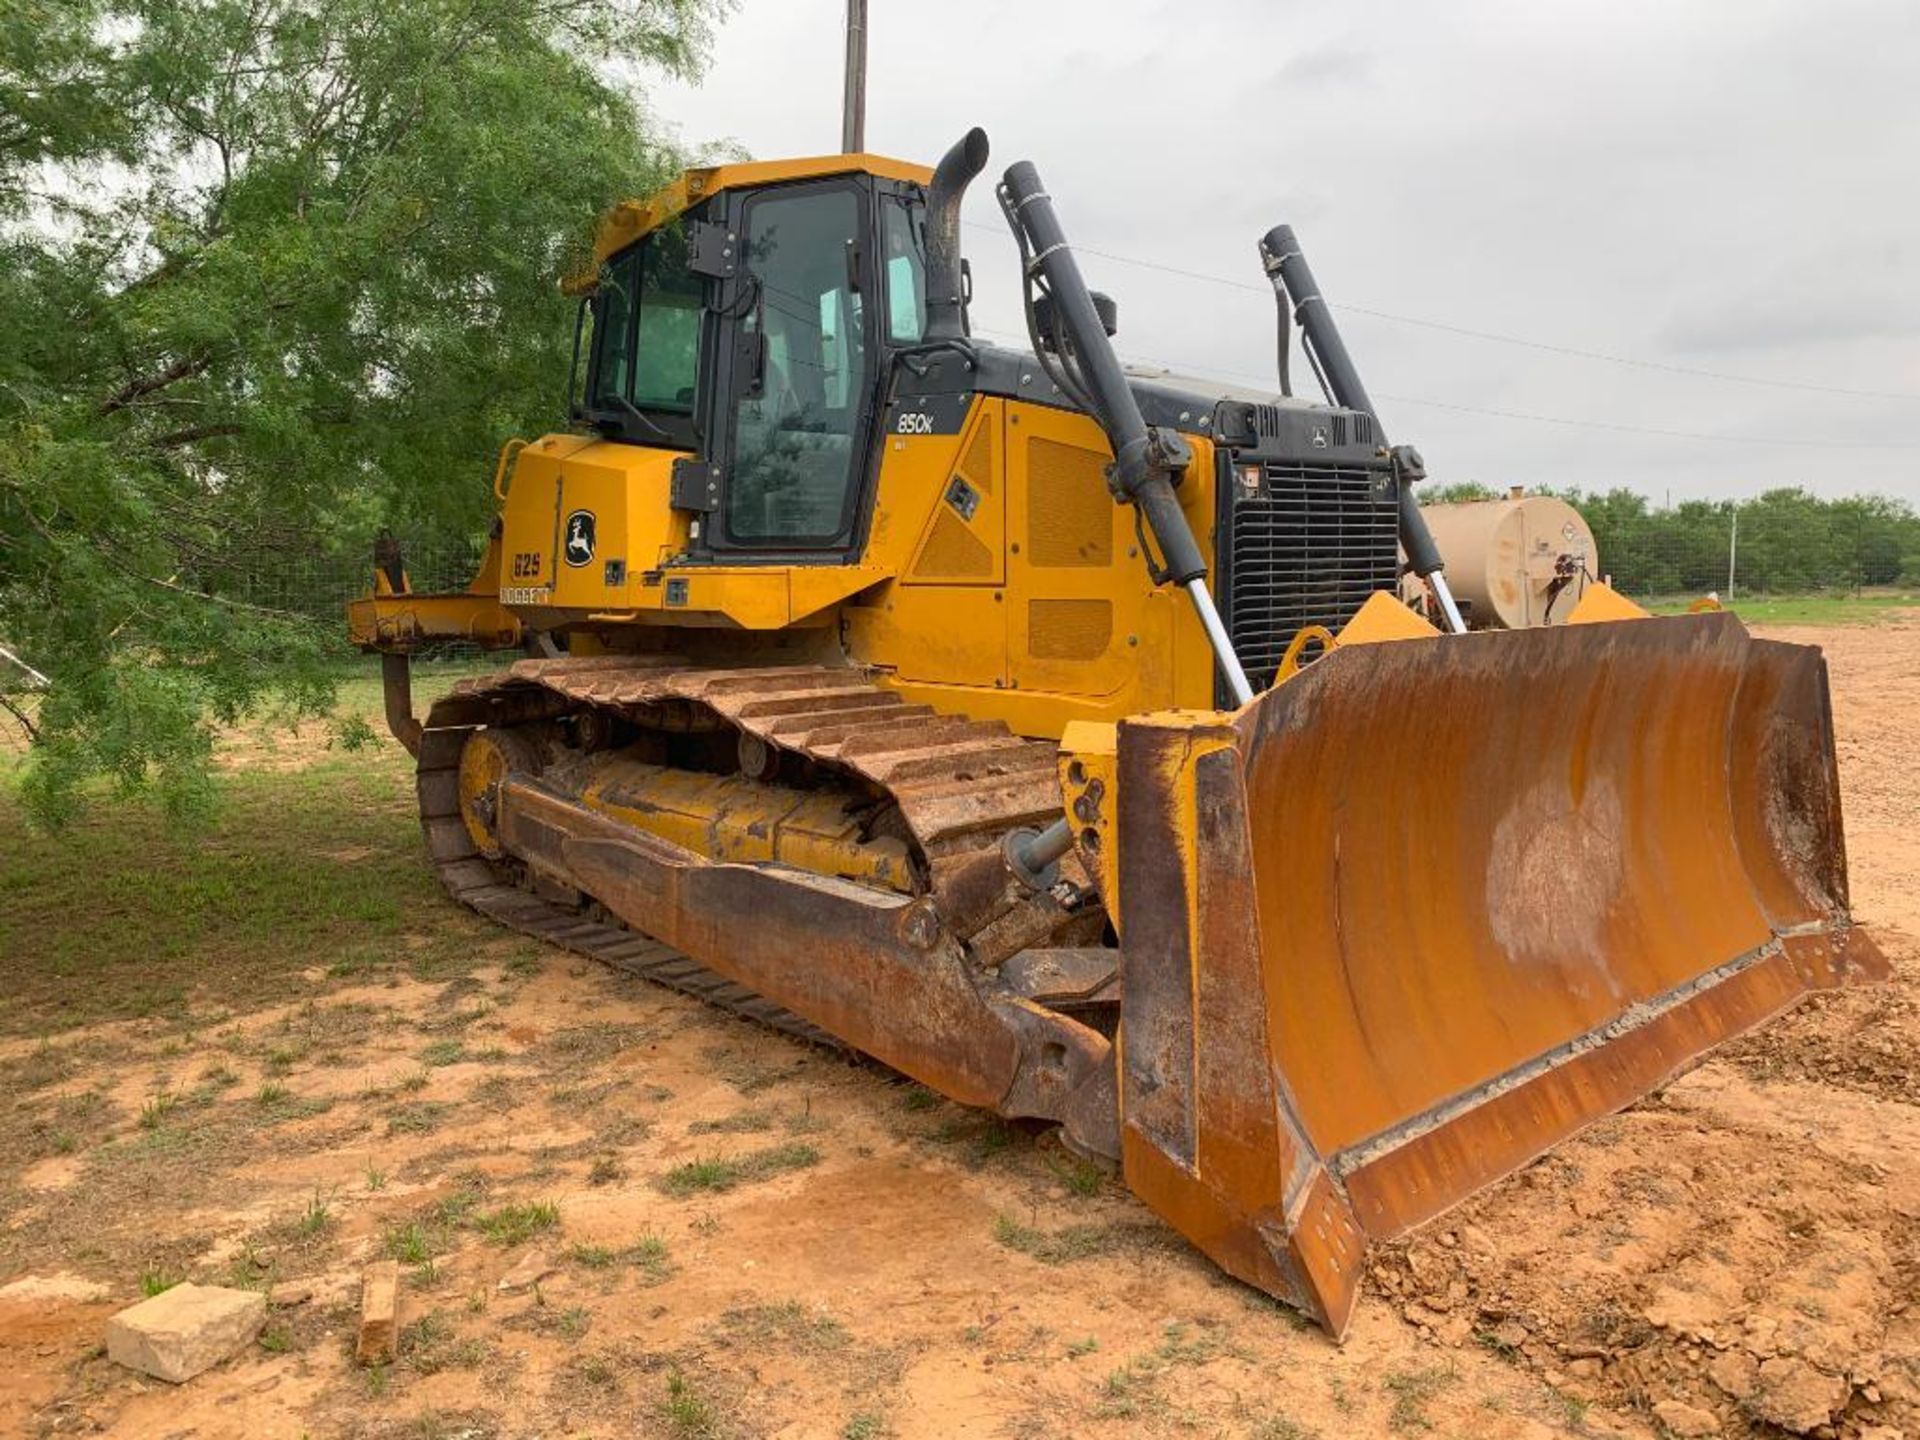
(946, 286)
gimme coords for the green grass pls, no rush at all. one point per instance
(518, 1223)
(1058, 1247)
(411, 1243)
(315, 1219)
(1867, 609)
(157, 1282)
(648, 1255)
(154, 1113)
(416, 1119)
(1081, 1177)
(127, 915)
(1411, 1390)
(787, 1323)
(431, 1344)
(743, 1122)
(721, 1173)
(689, 1415)
(1280, 1427)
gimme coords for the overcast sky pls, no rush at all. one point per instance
(1732, 187)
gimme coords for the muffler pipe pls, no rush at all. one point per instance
(1280, 251)
(946, 285)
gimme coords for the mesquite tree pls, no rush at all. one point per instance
(274, 274)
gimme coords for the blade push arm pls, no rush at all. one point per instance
(1146, 459)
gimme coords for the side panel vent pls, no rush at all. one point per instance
(1069, 514)
(978, 466)
(1069, 629)
(953, 552)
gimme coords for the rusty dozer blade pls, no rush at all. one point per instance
(1432, 905)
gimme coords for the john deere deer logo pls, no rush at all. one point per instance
(579, 548)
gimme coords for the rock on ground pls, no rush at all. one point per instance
(1686, 1420)
(379, 1314)
(532, 1268)
(180, 1332)
(1795, 1396)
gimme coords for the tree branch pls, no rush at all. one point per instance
(33, 735)
(181, 369)
(192, 435)
(241, 605)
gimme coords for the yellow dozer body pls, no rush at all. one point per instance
(1058, 740)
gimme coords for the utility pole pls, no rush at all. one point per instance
(1733, 548)
(853, 120)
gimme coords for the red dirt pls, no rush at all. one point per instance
(1745, 1244)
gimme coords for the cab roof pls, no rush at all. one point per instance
(631, 219)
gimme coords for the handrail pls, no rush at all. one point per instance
(508, 452)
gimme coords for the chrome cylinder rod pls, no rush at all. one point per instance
(1222, 643)
(1455, 625)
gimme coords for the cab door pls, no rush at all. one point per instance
(798, 415)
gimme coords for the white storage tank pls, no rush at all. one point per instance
(1522, 561)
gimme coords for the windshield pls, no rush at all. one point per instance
(647, 327)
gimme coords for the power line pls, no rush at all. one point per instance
(1571, 351)
(1175, 369)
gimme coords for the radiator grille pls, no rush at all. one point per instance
(1307, 549)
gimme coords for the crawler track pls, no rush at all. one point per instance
(960, 784)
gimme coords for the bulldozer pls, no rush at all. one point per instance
(1059, 739)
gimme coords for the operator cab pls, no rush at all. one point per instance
(754, 330)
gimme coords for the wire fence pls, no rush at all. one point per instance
(317, 584)
(284, 574)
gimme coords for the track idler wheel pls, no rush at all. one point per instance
(486, 760)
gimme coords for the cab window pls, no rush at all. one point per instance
(900, 241)
(647, 329)
(802, 396)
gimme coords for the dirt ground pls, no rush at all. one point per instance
(737, 1236)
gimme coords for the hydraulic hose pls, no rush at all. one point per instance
(1146, 459)
(1280, 251)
